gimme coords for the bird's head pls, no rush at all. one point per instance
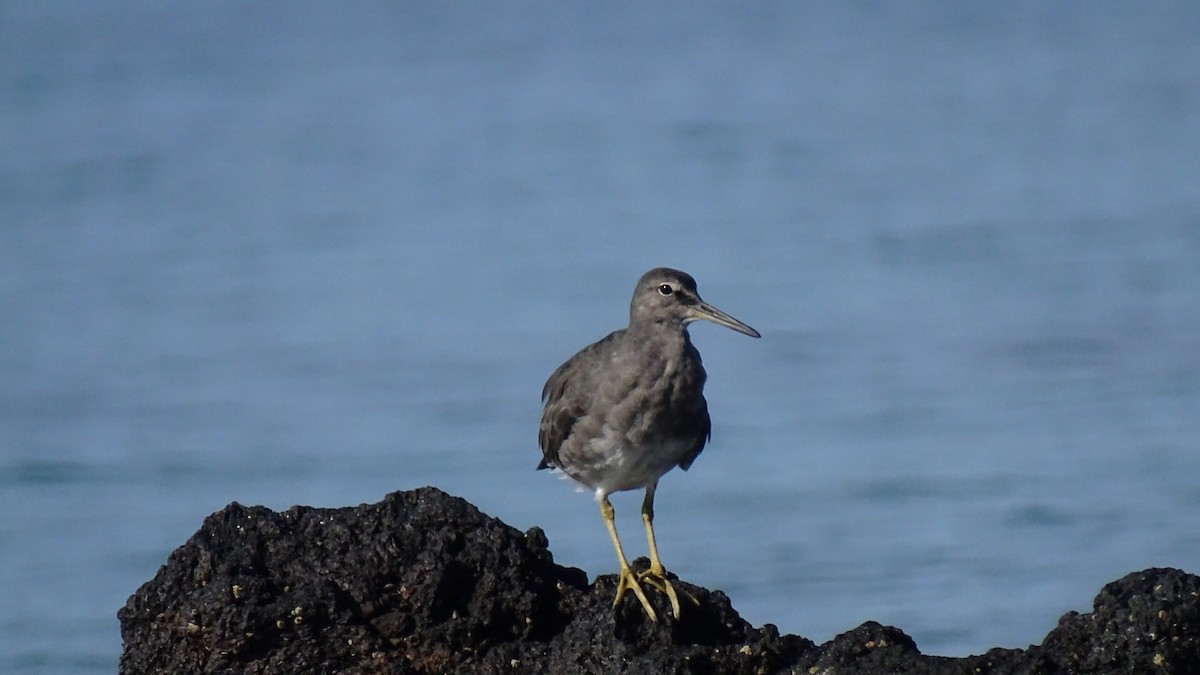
(667, 296)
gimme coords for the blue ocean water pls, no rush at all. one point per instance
(302, 253)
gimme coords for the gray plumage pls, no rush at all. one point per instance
(629, 408)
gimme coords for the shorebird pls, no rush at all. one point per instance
(629, 408)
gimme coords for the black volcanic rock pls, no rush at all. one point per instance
(423, 582)
(1146, 622)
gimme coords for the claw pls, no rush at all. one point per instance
(629, 581)
(657, 578)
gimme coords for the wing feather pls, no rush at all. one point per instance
(568, 395)
(701, 421)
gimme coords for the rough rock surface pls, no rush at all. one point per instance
(423, 582)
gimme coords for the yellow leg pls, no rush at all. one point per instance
(628, 579)
(656, 576)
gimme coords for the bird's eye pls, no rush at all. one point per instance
(666, 289)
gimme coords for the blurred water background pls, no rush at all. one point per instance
(308, 253)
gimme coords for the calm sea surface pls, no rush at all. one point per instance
(287, 253)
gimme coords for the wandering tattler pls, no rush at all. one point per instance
(629, 408)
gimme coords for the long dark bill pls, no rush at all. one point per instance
(705, 311)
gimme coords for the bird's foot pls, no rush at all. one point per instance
(656, 577)
(629, 581)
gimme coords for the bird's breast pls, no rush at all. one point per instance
(644, 420)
